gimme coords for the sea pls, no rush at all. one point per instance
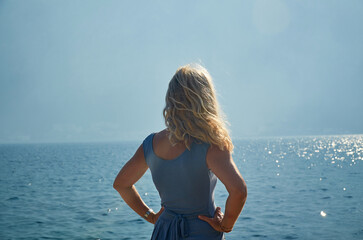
(298, 188)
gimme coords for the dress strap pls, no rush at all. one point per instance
(147, 145)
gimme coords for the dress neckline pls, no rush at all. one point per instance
(173, 159)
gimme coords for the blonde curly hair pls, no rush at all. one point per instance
(192, 110)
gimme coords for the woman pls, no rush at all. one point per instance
(185, 161)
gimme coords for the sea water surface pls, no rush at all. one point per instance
(298, 188)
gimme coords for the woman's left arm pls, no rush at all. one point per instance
(133, 170)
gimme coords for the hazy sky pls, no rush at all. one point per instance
(98, 70)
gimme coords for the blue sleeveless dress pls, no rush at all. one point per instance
(186, 188)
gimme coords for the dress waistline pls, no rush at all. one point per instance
(180, 221)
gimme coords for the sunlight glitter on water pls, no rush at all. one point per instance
(322, 213)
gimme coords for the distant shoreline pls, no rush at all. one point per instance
(139, 141)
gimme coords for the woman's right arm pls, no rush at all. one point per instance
(133, 170)
(222, 165)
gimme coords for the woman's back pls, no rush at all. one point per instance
(184, 182)
(185, 185)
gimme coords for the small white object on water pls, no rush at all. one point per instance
(344, 189)
(322, 213)
(146, 194)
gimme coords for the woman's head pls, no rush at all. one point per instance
(192, 109)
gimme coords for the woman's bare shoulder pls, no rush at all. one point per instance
(215, 153)
(161, 138)
(161, 134)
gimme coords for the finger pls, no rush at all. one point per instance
(217, 212)
(219, 218)
(205, 218)
(161, 210)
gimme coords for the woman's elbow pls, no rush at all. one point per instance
(244, 192)
(115, 185)
(118, 184)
